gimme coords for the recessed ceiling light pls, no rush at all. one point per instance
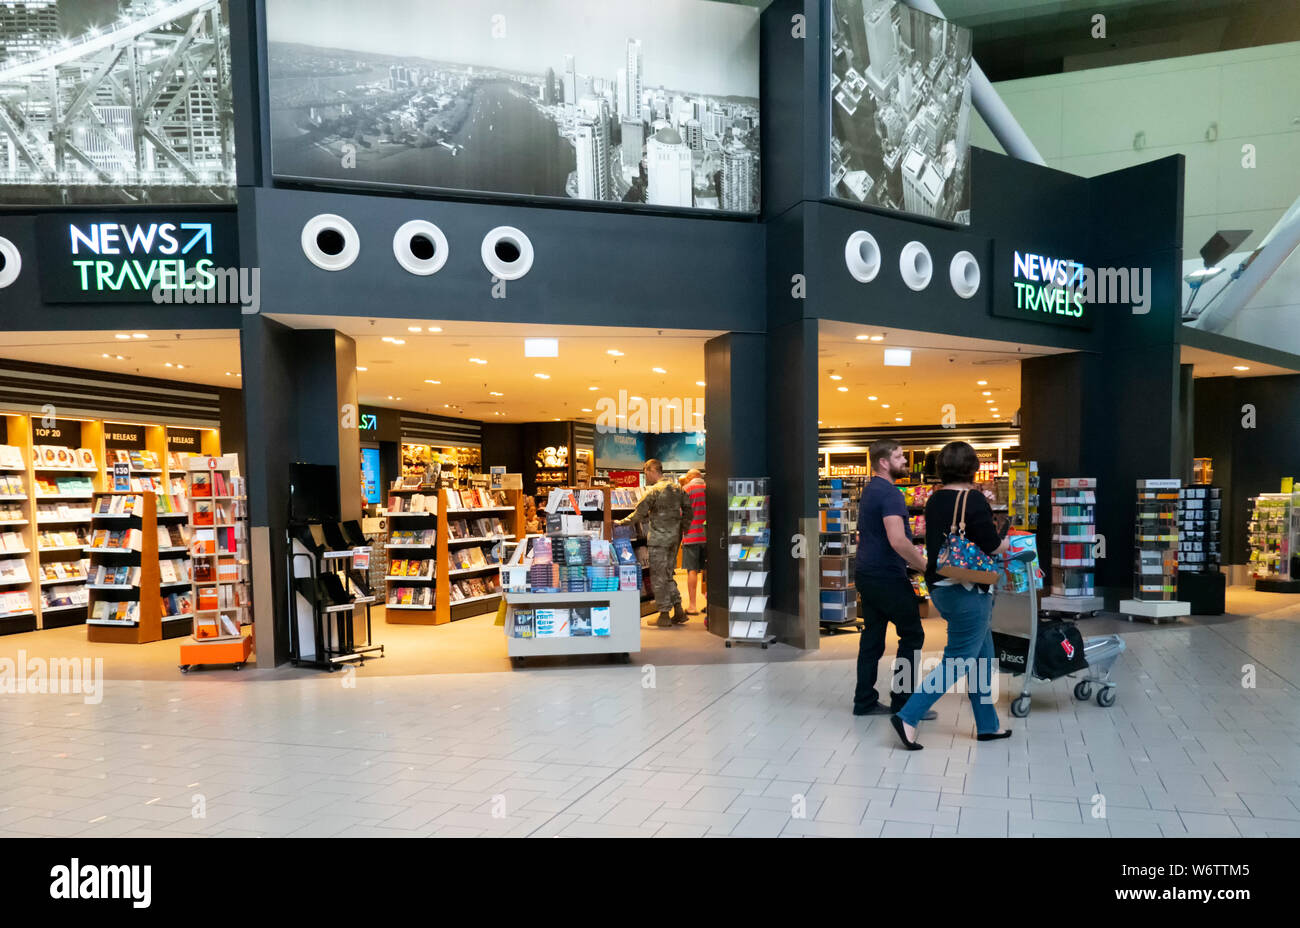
(877, 338)
(123, 336)
(987, 393)
(658, 370)
(363, 369)
(414, 328)
(541, 347)
(585, 409)
(543, 377)
(873, 397)
(495, 393)
(614, 352)
(898, 418)
(229, 374)
(843, 389)
(884, 405)
(861, 338)
(434, 328)
(988, 401)
(982, 383)
(699, 383)
(836, 377)
(993, 409)
(139, 335)
(477, 361)
(593, 388)
(395, 398)
(436, 383)
(393, 340)
(636, 399)
(1240, 367)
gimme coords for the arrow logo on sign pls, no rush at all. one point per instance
(203, 230)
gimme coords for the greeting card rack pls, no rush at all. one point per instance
(748, 557)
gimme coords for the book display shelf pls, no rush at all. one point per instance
(1074, 534)
(443, 551)
(838, 507)
(1155, 554)
(609, 503)
(50, 471)
(748, 573)
(123, 569)
(219, 600)
(578, 589)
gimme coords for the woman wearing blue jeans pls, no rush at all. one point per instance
(966, 607)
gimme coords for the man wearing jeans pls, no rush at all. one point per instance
(885, 551)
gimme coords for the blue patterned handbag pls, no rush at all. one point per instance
(960, 558)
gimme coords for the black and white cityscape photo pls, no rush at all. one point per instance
(115, 101)
(900, 111)
(588, 100)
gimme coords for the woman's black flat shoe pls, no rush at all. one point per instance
(902, 735)
(994, 736)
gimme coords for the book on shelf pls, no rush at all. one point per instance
(14, 571)
(11, 456)
(200, 484)
(12, 485)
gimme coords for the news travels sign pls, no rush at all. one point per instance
(133, 257)
(1041, 286)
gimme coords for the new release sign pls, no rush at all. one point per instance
(126, 257)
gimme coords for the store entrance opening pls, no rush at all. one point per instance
(922, 390)
(484, 445)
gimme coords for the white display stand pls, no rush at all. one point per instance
(624, 624)
(1155, 610)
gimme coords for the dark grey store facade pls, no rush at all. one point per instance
(1115, 402)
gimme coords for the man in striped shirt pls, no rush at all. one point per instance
(693, 542)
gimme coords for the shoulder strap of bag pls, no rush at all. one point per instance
(959, 514)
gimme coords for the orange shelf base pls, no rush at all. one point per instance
(217, 652)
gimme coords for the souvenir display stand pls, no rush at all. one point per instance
(1155, 554)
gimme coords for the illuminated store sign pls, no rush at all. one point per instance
(130, 257)
(1042, 288)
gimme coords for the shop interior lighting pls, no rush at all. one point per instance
(699, 383)
(394, 340)
(843, 389)
(988, 401)
(1240, 367)
(477, 361)
(436, 383)
(873, 398)
(898, 357)
(363, 369)
(615, 352)
(414, 328)
(987, 393)
(877, 338)
(593, 388)
(542, 376)
(495, 393)
(836, 377)
(658, 370)
(884, 405)
(123, 336)
(585, 409)
(541, 347)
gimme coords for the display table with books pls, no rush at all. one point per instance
(572, 592)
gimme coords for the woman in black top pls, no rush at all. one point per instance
(966, 607)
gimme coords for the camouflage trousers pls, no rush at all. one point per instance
(663, 564)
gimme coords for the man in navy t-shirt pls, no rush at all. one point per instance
(885, 552)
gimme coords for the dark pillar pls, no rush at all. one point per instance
(296, 387)
(735, 417)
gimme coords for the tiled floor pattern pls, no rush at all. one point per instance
(754, 749)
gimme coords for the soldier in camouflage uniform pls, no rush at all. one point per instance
(669, 510)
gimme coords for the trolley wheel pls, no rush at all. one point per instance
(517, 661)
(185, 668)
(1106, 697)
(1082, 690)
(764, 645)
(626, 658)
(239, 666)
(1020, 707)
(728, 644)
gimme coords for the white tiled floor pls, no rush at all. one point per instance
(754, 749)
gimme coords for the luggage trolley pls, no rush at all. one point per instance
(1017, 654)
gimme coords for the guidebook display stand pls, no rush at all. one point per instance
(838, 600)
(122, 574)
(748, 561)
(219, 564)
(329, 571)
(1074, 535)
(1155, 554)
